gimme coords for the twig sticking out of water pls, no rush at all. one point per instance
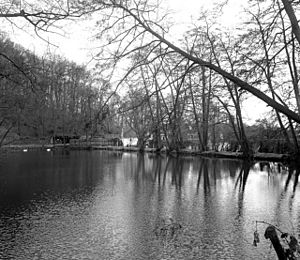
(291, 248)
(167, 229)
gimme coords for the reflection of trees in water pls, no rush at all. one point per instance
(209, 170)
(157, 170)
(215, 171)
(230, 166)
(269, 167)
(292, 180)
(204, 170)
(243, 175)
(293, 171)
(142, 168)
(139, 171)
(199, 176)
(177, 171)
(173, 166)
(160, 170)
(241, 182)
(165, 170)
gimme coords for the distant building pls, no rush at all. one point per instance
(131, 141)
(129, 137)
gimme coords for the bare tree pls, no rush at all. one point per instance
(42, 14)
(136, 21)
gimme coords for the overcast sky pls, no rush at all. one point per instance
(77, 41)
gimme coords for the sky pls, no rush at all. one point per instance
(76, 42)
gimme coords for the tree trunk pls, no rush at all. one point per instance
(204, 112)
(242, 84)
(196, 117)
(271, 234)
(158, 119)
(294, 22)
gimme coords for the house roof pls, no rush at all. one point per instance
(128, 133)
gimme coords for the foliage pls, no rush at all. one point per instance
(43, 96)
(289, 243)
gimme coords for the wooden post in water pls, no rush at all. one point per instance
(271, 234)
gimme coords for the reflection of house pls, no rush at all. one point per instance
(129, 138)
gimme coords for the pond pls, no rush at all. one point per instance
(109, 205)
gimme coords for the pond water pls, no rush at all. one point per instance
(107, 205)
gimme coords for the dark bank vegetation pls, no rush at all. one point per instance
(179, 94)
(47, 96)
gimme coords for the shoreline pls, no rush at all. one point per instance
(209, 154)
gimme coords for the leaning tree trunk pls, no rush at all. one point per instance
(271, 234)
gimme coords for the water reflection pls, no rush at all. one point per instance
(203, 170)
(243, 175)
(293, 172)
(105, 205)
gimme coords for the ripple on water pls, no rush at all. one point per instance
(100, 207)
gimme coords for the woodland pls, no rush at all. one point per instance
(169, 93)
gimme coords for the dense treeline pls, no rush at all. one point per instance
(46, 96)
